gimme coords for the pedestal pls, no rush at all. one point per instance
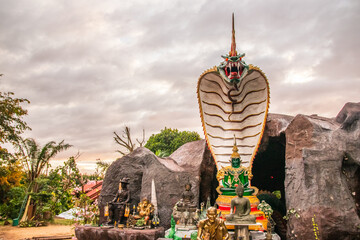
(241, 230)
(182, 233)
(105, 233)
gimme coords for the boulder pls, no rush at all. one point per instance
(322, 158)
(192, 162)
(314, 161)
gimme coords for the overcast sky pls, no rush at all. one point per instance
(91, 67)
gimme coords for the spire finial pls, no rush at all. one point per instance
(233, 42)
(235, 153)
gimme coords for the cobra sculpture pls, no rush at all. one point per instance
(233, 100)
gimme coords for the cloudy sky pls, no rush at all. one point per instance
(91, 67)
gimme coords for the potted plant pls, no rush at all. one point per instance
(266, 208)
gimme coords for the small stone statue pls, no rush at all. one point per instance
(240, 208)
(185, 210)
(187, 197)
(118, 204)
(212, 228)
(145, 209)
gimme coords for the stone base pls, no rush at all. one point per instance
(89, 233)
(242, 229)
(257, 235)
(185, 227)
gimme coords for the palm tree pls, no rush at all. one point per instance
(36, 159)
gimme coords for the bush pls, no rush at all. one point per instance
(169, 140)
(11, 208)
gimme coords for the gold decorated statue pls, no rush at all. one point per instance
(145, 209)
(231, 176)
(212, 228)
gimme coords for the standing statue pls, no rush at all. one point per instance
(118, 204)
(212, 228)
(240, 209)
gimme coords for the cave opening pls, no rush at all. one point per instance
(351, 173)
(269, 167)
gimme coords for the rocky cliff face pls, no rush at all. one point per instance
(191, 162)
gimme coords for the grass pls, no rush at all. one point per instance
(55, 221)
(61, 221)
(2, 222)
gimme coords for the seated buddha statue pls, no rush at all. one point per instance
(240, 208)
(231, 176)
(187, 197)
(185, 210)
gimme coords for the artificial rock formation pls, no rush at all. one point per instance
(317, 160)
(322, 162)
(191, 162)
(314, 161)
(91, 233)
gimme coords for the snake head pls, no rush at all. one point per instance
(233, 69)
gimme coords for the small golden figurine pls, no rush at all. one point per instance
(145, 209)
(212, 228)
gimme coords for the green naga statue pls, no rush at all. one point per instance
(231, 176)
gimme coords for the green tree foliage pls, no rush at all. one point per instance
(36, 159)
(11, 208)
(61, 183)
(101, 167)
(11, 123)
(168, 140)
(11, 175)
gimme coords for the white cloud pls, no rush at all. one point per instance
(89, 67)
